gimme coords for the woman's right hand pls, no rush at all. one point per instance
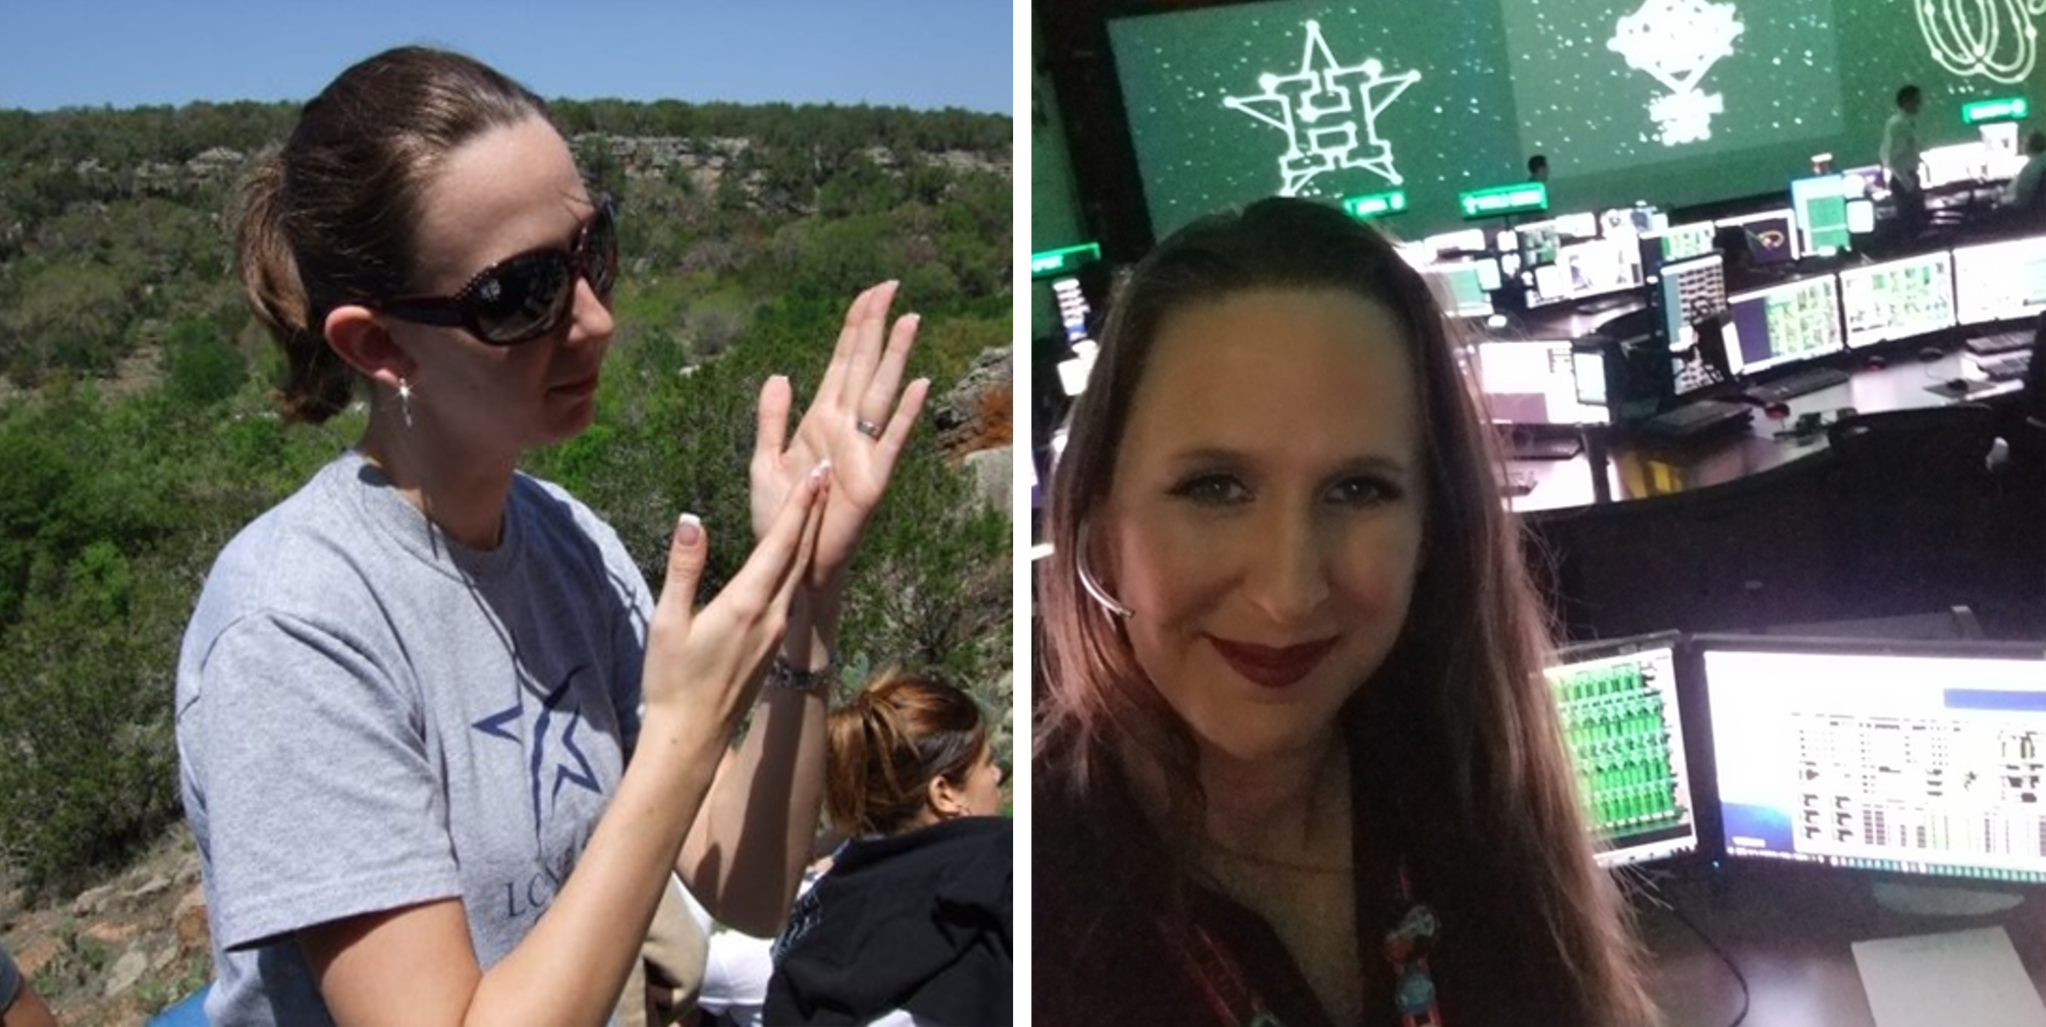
(701, 661)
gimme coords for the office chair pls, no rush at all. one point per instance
(1913, 504)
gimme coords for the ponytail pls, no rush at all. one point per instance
(319, 383)
(889, 743)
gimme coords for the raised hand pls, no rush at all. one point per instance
(701, 660)
(857, 421)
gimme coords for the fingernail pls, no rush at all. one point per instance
(689, 529)
(913, 316)
(821, 471)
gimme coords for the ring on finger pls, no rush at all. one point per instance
(867, 428)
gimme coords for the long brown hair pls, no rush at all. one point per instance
(889, 743)
(330, 217)
(1456, 722)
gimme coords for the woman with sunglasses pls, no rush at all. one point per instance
(440, 746)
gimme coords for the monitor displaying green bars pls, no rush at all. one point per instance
(1622, 727)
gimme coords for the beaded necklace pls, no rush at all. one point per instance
(1406, 948)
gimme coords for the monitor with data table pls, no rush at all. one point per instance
(2000, 281)
(1783, 324)
(1898, 299)
(1621, 722)
(1919, 758)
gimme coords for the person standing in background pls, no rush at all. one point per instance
(1900, 153)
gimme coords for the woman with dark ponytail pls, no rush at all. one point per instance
(912, 923)
(441, 748)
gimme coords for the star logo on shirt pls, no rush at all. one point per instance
(556, 760)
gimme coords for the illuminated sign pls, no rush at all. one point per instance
(1504, 199)
(1375, 204)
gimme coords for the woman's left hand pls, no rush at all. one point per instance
(857, 421)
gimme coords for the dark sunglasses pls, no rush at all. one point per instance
(523, 297)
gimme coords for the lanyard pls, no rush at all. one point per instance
(1406, 948)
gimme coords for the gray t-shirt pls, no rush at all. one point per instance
(371, 715)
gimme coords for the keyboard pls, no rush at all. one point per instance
(2001, 342)
(1808, 380)
(2006, 366)
(1700, 417)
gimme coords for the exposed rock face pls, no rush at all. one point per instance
(975, 414)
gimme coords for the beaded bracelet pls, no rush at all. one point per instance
(784, 676)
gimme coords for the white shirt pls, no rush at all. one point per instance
(1900, 151)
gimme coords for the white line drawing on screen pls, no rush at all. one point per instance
(1313, 106)
(1968, 37)
(1677, 42)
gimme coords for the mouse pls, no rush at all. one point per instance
(1931, 353)
(1778, 410)
(1877, 363)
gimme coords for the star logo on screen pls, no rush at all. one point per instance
(1329, 113)
(1676, 42)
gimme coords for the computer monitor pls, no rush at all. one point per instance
(1538, 241)
(1820, 205)
(1783, 324)
(1467, 241)
(1692, 292)
(2000, 281)
(1898, 299)
(1915, 758)
(1943, 166)
(1622, 724)
(1532, 382)
(1465, 286)
(1869, 182)
(1600, 266)
(1631, 221)
(1771, 236)
(1578, 226)
(1679, 242)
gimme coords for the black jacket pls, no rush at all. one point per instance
(919, 921)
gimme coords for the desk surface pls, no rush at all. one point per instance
(1645, 469)
(1792, 938)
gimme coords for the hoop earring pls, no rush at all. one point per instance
(405, 400)
(1110, 604)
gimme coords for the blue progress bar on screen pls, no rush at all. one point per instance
(1989, 699)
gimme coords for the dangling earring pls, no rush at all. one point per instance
(1109, 603)
(405, 400)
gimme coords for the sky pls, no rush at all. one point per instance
(925, 54)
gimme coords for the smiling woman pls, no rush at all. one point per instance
(1294, 763)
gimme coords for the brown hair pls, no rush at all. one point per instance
(889, 743)
(1456, 723)
(330, 216)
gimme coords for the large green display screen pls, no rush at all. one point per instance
(1667, 101)
(1670, 79)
